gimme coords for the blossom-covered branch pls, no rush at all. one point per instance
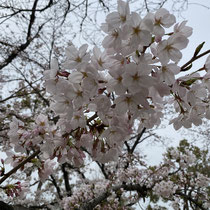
(102, 102)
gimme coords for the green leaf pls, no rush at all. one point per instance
(198, 49)
(137, 53)
(189, 82)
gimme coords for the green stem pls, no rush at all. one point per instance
(193, 59)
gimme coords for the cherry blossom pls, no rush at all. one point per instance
(115, 19)
(207, 63)
(183, 29)
(100, 98)
(163, 19)
(170, 49)
(76, 58)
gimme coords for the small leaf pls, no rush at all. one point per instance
(198, 49)
(137, 53)
(189, 82)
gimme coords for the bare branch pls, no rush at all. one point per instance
(66, 180)
(7, 175)
(104, 5)
(146, 5)
(137, 140)
(19, 49)
(194, 58)
(32, 19)
(56, 186)
(86, 12)
(36, 91)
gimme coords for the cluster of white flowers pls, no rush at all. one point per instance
(165, 188)
(125, 82)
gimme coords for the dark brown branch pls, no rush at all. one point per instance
(103, 170)
(146, 5)
(92, 118)
(77, 6)
(32, 19)
(89, 205)
(50, 3)
(76, 169)
(104, 5)
(7, 175)
(56, 186)
(162, 3)
(127, 146)
(137, 140)
(66, 12)
(19, 49)
(18, 94)
(86, 12)
(36, 91)
(26, 56)
(6, 44)
(5, 206)
(66, 180)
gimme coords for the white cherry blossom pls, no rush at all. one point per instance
(170, 49)
(138, 30)
(120, 17)
(183, 29)
(76, 58)
(168, 72)
(136, 78)
(163, 19)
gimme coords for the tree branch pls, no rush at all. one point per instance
(19, 49)
(89, 205)
(66, 180)
(189, 198)
(137, 140)
(7, 175)
(50, 3)
(56, 186)
(36, 91)
(32, 19)
(194, 58)
(146, 5)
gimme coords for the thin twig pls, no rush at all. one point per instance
(194, 58)
(146, 5)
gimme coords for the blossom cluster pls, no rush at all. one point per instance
(125, 82)
(16, 189)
